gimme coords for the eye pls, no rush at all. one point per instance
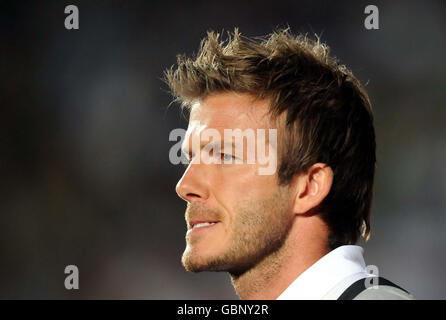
(227, 157)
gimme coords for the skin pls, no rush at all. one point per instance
(265, 234)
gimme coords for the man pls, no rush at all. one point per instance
(289, 234)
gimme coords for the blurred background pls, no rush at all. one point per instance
(85, 177)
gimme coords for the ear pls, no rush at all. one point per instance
(312, 187)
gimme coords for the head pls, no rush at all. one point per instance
(325, 151)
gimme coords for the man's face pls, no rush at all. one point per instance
(235, 216)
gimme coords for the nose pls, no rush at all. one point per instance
(193, 184)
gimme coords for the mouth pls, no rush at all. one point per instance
(195, 226)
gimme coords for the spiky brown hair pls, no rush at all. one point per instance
(328, 112)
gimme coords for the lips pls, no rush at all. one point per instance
(200, 227)
(200, 224)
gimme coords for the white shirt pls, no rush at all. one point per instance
(328, 277)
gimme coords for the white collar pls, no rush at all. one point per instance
(344, 262)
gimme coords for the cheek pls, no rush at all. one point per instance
(231, 186)
(239, 186)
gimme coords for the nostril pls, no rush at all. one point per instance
(192, 195)
(186, 194)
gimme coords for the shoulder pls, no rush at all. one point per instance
(384, 292)
(375, 288)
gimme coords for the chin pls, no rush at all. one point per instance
(195, 261)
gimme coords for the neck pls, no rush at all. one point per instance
(304, 245)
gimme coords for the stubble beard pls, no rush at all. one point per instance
(259, 229)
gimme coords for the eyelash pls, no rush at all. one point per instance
(225, 154)
(222, 155)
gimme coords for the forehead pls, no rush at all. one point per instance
(230, 111)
